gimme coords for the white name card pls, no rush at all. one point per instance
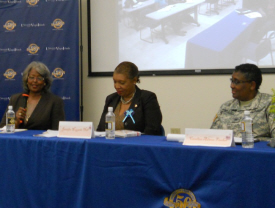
(76, 129)
(209, 137)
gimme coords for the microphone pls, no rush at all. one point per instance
(25, 96)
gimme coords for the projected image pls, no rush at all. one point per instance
(196, 34)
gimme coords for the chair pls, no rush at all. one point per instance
(211, 9)
(257, 51)
(271, 36)
(162, 130)
(144, 23)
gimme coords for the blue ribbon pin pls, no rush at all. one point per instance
(129, 113)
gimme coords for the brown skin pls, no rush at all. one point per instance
(125, 87)
(243, 91)
(35, 88)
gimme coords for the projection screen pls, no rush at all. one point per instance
(170, 37)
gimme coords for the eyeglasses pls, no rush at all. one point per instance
(39, 79)
(237, 82)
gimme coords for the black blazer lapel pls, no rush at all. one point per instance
(136, 100)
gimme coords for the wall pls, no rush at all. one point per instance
(186, 101)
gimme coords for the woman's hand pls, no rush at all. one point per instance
(20, 116)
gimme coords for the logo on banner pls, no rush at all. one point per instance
(57, 24)
(9, 25)
(9, 74)
(65, 98)
(33, 25)
(5, 98)
(33, 48)
(58, 48)
(8, 3)
(32, 2)
(58, 73)
(10, 49)
(181, 198)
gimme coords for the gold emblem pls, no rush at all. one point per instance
(32, 2)
(58, 73)
(12, 121)
(181, 198)
(58, 23)
(9, 25)
(9, 73)
(33, 48)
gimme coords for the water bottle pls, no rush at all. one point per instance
(110, 124)
(10, 120)
(247, 136)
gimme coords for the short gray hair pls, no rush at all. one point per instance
(43, 70)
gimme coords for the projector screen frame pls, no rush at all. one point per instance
(162, 72)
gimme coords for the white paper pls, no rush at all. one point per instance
(138, 4)
(167, 8)
(175, 137)
(3, 130)
(253, 15)
(100, 133)
(237, 139)
(48, 133)
(127, 133)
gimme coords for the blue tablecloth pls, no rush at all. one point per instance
(136, 172)
(218, 46)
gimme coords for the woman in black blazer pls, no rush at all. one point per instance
(36, 108)
(135, 109)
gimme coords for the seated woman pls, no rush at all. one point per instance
(135, 109)
(36, 108)
(245, 82)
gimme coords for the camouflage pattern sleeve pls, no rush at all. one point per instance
(216, 122)
(263, 120)
(271, 122)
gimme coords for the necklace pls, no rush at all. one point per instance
(30, 108)
(27, 117)
(128, 101)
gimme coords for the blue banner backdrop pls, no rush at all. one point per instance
(46, 31)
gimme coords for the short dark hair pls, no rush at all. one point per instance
(129, 69)
(251, 72)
